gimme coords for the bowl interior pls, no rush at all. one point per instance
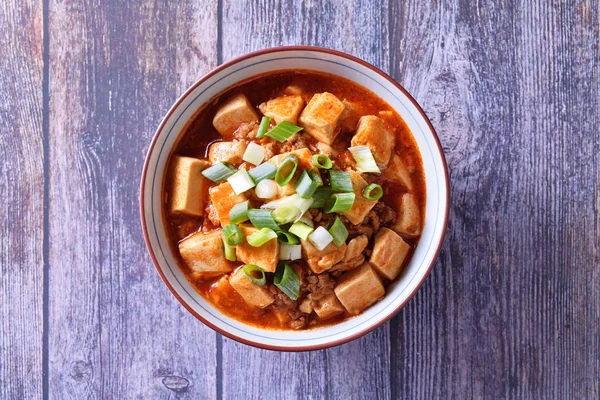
(333, 63)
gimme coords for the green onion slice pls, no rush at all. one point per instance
(261, 237)
(262, 219)
(229, 252)
(339, 202)
(320, 197)
(287, 280)
(286, 170)
(287, 238)
(293, 200)
(314, 175)
(254, 153)
(305, 186)
(263, 171)
(373, 192)
(263, 127)
(232, 235)
(338, 231)
(301, 230)
(365, 162)
(255, 274)
(322, 161)
(219, 172)
(340, 181)
(286, 213)
(241, 181)
(283, 131)
(239, 212)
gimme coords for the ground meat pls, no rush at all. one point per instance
(281, 298)
(296, 142)
(373, 220)
(246, 130)
(271, 148)
(385, 214)
(380, 215)
(319, 285)
(357, 230)
(299, 323)
(345, 161)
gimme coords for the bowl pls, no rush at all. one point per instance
(285, 58)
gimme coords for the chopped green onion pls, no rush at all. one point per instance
(340, 181)
(239, 212)
(287, 238)
(286, 170)
(373, 192)
(320, 197)
(254, 153)
(229, 252)
(263, 171)
(283, 131)
(286, 214)
(261, 237)
(314, 175)
(339, 202)
(290, 252)
(305, 186)
(307, 219)
(255, 274)
(293, 200)
(263, 127)
(301, 230)
(322, 161)
(240, 181)
(266, 189)
(365, 162)
(219, 172)
(262, 219)
(338, 231)
(232, 235)
(287, 280)
(320, 238)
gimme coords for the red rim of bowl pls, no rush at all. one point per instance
(275, 50)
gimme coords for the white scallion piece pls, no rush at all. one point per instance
(320, 238)
(290, 251)
(365, 162)
(240, 181)
(254, 153)
(266, 189)
(293, 200)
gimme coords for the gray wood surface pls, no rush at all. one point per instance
(512, 308)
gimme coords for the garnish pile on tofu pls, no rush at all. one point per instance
(306, 209)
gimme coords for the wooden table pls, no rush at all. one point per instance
(512, 308)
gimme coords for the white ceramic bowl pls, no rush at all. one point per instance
(309, 58)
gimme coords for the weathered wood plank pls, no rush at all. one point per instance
(511, 310)
(115, 330)
(21, 199)
(355, 370)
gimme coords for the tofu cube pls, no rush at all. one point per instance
(361, 207)
(354, 254)
(389, 253)
(223, 198)
(186, 193)
(359, 288)
(408, 222)
(398, 171)
(371, 132)
(204, 254)
(229, 152)
(320, 261)
(254, 295)
(284, 108)
(321, 115)
(233, 113)
(328, 306)
(265, 256)
(350, 117)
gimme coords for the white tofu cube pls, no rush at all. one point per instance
(371, 132)
(361, 206)
(254, 295)
(320, 261)
(204, 254)
(265, 256)
(187, 186)
(398, 171)
(359, 288)
(321, 115)
(233, 113)
(408, 222)
(284, 108)
(389, 253)
(229, 152)
(350, 117)
(223, 198)
(328, 306)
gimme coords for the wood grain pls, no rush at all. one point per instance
(115, 330)
(21, 199)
